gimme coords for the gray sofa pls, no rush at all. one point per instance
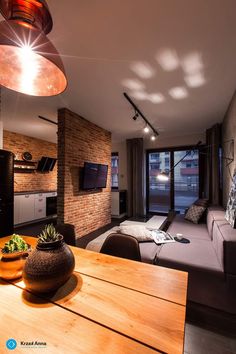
(209, 258)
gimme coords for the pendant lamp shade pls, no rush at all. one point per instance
(29, 63)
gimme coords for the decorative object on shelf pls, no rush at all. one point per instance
(148, 126)
(231, 206)
(29, 62)
(50, 265)
(14, 254)
(26, 156)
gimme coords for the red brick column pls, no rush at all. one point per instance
(78, 141)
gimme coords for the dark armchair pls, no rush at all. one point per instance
(121, 245)
(68, 231)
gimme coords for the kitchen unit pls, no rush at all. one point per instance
(32, 206)
(6, 192)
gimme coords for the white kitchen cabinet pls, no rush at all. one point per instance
(27, 208)
(40, 206)
(17, 205)
(30, 206)
(118, 203)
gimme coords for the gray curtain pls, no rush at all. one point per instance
(135, 174)
(212, 165)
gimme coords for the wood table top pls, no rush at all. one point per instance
(109, 305)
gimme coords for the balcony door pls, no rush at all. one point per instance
(159, 198)
(186, 179)
(182, 188)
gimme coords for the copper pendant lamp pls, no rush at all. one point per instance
(29, 63)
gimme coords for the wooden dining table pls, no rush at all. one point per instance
(109, 305)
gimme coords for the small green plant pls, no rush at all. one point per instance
(49, 234)
(15, 244)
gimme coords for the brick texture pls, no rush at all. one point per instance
(18, 144)
(80, 141)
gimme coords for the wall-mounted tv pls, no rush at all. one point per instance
(46, 164)
(95, 176)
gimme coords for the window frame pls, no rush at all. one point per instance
(171, 150)
(115, 154)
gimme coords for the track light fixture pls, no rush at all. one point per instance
(138, 113)
(29, 62)
(135, 116)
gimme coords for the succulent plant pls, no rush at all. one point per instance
(49, 234)
(15, 244)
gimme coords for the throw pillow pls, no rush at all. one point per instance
(194, 213)
(201, 202)
(140, 232)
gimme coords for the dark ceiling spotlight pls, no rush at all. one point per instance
(135, 116)
(29, 62)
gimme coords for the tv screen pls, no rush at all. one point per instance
(95, 175)
(46, 164)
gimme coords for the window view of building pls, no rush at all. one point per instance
(115, 170)
(185, 180)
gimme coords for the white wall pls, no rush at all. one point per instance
(169, 141)
(121, 149)
(228, 133)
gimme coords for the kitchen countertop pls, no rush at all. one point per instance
(34, 192)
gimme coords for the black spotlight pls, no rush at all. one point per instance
(135, 116)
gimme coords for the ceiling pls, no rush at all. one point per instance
(176, 59)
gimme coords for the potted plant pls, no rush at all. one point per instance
(51, 264)
(14, 254)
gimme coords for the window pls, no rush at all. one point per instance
(115, 170)
(182, 189)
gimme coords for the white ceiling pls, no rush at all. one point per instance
(176, 59)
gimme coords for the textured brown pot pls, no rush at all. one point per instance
(48, 267)
(11, 264)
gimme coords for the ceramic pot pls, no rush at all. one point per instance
(48, 267)
(11, 264)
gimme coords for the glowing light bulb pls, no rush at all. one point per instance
(153, 137)
(146, 129)
(30, 68)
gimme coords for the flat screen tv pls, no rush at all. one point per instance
(46, 164)
(95, 176)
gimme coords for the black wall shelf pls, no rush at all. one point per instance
(21, 166)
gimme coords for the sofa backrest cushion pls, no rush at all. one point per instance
(214, 214)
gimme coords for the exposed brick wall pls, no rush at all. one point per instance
(18, 144)
(78, 141)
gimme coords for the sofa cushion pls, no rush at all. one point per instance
(198, 255)
(201, 202)
(140, 232)
(224, 242)
(214, 214)
(190, 231)
(149, 251)
(195, 213)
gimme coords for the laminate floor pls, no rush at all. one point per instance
(203, 341)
